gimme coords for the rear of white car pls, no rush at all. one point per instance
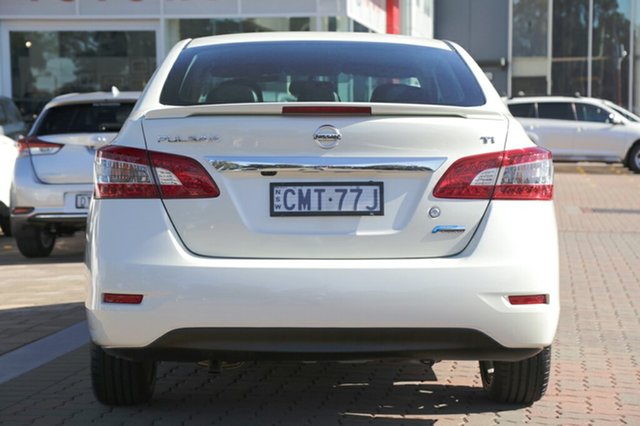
(52, 180)
(321, 196)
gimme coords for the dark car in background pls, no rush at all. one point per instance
(11, 122)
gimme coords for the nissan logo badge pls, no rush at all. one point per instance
(327, 136)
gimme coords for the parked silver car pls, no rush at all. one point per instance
(53, 176)
(581, 129)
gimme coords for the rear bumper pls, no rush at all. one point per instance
(49, 218)
(301, 344)
(52, 204)
(190, 300)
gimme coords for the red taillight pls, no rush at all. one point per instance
(34, 146)
(519, 174)
(122, 172)
(127, 299)
(182, 177)
(531, 299)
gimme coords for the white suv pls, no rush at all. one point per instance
(321, 196)
(581, 129)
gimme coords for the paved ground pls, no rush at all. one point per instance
(595, 378)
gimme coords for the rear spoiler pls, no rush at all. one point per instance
(322, 108)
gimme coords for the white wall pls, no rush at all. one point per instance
(370, 13)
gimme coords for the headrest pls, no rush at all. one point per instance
(313, 91)
(234, 91)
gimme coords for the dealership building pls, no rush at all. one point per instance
(532, 47)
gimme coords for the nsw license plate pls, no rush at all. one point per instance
(83, 200)
(327, 199)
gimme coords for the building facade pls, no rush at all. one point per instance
(526, 47)
(551, 47)
(49, 47)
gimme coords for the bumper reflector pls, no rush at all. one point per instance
(530, 299)
(130, 299)
(22, 210)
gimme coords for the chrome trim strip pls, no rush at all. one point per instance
(322, 164)
(448, 229)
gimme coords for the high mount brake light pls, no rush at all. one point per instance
(122, 172)
(327, 110)
(519, 174)
(34, 146)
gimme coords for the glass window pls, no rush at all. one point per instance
(556, 110)
(530, 30)
(611, 37)
(46, 64)
(623, 112)
(333, 23)
(83, 118)
(569, 77)
(588, 112)
(570, 28)
(300, 71)
(529, 86)
(526, 110)
(181, 29)
(3, 115)
(570, 43)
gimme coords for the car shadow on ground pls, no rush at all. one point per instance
(391, 393)
(24, 325)
(66, 250)
(260, 393)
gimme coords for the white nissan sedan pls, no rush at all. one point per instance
(320, 196)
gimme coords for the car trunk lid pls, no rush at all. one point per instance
(73, 162)
(273, 170)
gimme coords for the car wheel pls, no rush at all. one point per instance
(521, 382)
(634, 158)
(5, 225)
(118, 381)
(35, 242)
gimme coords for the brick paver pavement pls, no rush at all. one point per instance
(595, 378)
(39, 296)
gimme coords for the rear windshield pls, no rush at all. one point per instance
(313, 71)
(84, 118)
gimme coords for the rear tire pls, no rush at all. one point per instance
(118, 381)
(5, 225)
(35, 242)
(633, 161)
(521, 382)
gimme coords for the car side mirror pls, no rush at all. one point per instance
(615, 119)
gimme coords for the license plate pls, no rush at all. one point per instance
(83, 200)
(327, 199)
